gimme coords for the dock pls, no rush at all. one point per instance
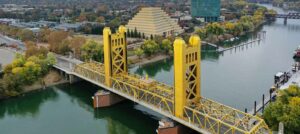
(259, 107)
(261, 36)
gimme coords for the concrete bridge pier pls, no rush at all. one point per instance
(104, 98)
(73, 79)
(167, 126)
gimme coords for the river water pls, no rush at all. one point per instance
(236, 78)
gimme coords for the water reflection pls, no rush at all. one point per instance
(153, 69)
(27, 105)
(121, 118)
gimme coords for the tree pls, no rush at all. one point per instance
(202, 33)
(214, 28)
(166, 46)
(143, 36)
(150, 47)
(33, 49)
(100, 19)
(75, 45)
(91, 50)
(115, 22)
(128, 33)
(135, 34)
(229, 27)
(43, 34)
(139, 52)
(55, 39)
(25, 35)
(64, 48)
(285, 109)
(151, 37)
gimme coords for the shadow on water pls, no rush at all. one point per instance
(23, 106)
(120, 118)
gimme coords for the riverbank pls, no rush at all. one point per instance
(51, 79)
(136, 61)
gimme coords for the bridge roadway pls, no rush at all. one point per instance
(206, 116)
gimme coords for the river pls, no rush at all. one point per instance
(236, 78)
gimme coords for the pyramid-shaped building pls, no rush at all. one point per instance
(154, 21)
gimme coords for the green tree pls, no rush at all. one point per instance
(150, 47)
(128, 33)
(139, 52)
(214, 28)
(92, 50)
(285, 109)
(135, 34)
(202, 33)
(166, 46)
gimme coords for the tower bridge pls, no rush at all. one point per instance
(181, 102)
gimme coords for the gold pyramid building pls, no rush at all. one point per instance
(154, 21)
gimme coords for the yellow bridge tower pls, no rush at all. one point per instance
(115, 53)
(187, 72)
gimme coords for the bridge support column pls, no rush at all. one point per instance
(285, 20)
(170, 127)
(104, 98)
(187, 62)
(115, 53)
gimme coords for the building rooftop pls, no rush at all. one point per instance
(154, 21)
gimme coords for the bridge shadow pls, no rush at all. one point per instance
(26, 105)
(120, 118)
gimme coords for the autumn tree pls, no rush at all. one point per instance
(43, 35)
(75, 45)
(26, 35)
(33, 49)
(55, 39)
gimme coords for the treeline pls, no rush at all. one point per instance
(25, 70)
(156, 45)
(59, 42)
(220, 31)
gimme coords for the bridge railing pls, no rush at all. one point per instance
(94, 73)
(221, 119)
